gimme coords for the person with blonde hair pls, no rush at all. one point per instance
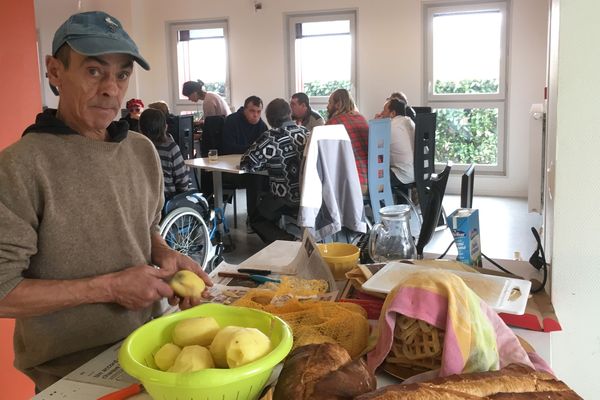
(342, 110)
(161, 106)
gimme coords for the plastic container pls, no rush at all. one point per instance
(136, 357)
(341, 257)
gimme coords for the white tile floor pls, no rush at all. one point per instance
(504, 223)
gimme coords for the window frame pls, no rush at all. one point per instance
(320, 102)
(481, 100)
(173, 28)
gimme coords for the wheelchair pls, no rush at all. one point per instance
(189, 226)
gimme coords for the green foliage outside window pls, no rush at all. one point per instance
(467, 135)
(217, 87)
(468, 86)
(318, 88)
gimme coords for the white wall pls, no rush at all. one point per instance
(390, 58)
(576, 219)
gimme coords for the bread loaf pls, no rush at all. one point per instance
(323, 372)
(512, 382)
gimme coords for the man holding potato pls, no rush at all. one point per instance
(80, 204)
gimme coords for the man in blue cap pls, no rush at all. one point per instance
(80, 204)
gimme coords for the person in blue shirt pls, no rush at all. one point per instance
(243, 127)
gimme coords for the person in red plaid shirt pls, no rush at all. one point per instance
(341, 110)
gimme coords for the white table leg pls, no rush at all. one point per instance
(218, 189)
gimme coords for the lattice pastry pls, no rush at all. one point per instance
(416, 344)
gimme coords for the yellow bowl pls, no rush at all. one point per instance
(341, 257)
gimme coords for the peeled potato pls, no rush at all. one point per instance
(246, 345)
(186, 283)
(192, 358)
(200, 331)
(218, 347)
(166, 355)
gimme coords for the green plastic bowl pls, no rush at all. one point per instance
(136, 356)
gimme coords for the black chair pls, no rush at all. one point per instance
(212, 134)
(212, 138)
(182, 131)
(432, 212)
(424, 159)
(466, 187)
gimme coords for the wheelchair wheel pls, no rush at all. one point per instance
(184, 230)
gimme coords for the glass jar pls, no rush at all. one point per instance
(391, 238)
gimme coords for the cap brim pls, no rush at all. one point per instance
(97, 46)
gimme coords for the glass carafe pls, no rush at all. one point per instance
(391, 238)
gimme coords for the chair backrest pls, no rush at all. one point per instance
(431, 213)
(184, 136)
(466, 187)
(380, 189)
(424, 162)
(212, 134)
(421, 109)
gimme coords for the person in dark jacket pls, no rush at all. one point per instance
(243, 127)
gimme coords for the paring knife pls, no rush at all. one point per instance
(254, 277)
(254, 271)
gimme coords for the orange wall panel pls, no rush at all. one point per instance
(21, 97)
(20, 101)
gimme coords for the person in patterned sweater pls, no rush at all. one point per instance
(341, 110)
(280, 152)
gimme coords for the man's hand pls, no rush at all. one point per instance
(139, 286)
(172, 261)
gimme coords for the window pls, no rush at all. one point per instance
(466, 82)
(199, 51)
(322, 55)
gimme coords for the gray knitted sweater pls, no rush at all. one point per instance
(72, 207)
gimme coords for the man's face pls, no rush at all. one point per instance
(194, 97)
(91, 89)
(252, 113)
(386, 113)
(135, 111)
(298, 110)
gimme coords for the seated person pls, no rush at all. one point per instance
(135, 108)
(410, 112)
(342, 110)
(303, 114)
(171, 118)
(153, 125)
(402, 144)
(279, 151)
(243, 127)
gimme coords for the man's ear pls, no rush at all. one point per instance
(54, 69)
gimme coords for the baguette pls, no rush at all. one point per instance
(513, 382)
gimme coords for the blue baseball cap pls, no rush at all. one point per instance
(95, 33)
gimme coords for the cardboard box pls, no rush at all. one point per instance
(464, 225)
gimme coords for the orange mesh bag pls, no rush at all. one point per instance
(313, 321)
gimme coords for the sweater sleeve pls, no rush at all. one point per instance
(253, 159)
(181, 176)
(18, 222)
